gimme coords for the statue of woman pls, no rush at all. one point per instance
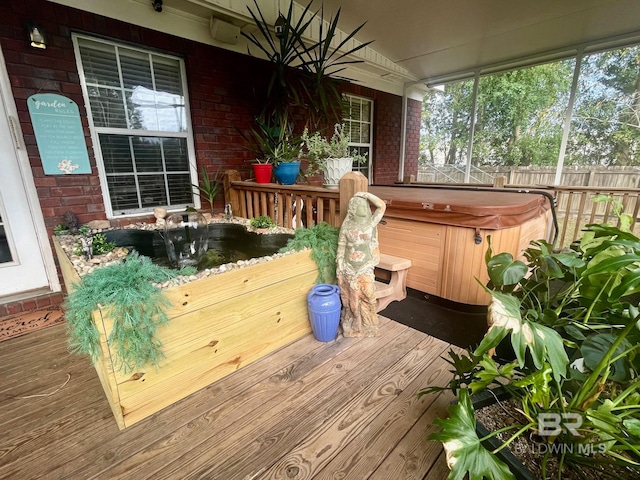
(358, 254)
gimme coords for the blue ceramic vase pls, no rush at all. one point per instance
(324, 311)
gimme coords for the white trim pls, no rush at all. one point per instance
(369, 122)
(27, 179)
(96, 131)
(376, 71)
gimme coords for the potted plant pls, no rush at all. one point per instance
(572, 321)
(285, 158)
(330, 156)
(276, 150)
(305, 81)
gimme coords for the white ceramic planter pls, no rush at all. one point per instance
(334, 169)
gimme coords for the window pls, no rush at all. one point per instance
(444, 135)
(140, 125)
(521, 123)
(357, 115)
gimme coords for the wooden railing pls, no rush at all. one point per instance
(291, 206)
(575, 208)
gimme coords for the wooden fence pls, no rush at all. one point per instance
(604, 177)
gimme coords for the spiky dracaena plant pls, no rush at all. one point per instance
(136, 306)
(322, 239)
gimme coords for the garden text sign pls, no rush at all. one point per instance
(59, 134)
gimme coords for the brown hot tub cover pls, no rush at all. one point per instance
(487, 209)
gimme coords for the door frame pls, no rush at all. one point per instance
(28, 182)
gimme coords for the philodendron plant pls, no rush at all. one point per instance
(572, 320)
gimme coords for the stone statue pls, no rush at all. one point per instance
(358, 254)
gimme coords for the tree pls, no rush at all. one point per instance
(606, 121)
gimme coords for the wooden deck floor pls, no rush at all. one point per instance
(345, 409)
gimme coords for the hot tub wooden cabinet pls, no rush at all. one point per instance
(444, 234)
(217, 325)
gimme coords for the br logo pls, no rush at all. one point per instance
(552, 424)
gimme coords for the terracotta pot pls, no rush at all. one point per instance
(262, 172)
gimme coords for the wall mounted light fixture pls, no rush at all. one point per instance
(37, 37)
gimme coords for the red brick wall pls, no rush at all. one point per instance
(387, 126)
(220, 86)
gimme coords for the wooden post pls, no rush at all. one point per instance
(498, 181)
(350, 184)
(231, 195)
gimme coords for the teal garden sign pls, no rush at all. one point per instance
(59, 135)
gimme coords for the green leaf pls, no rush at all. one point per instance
(489, 372)
(539, 385)
(544, 343)
(609, 262)
(465, 453)
(633, 426)
(596, 346)
(503, 270)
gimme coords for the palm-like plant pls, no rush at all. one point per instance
(305, 74)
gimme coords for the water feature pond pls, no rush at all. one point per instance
(227, 243)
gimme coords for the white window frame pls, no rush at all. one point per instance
(369, 145)
(96, 131)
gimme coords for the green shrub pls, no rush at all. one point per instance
(263, 221)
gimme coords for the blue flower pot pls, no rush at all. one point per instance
(287, 172)
(324, 311)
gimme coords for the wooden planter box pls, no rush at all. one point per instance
(217, 325)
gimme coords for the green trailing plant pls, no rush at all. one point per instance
(136, 306)
(263, 221)
(322, 239)
(209, 186)
(571, 320)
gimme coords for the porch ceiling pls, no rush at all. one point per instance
(431, 38)
(413, 40)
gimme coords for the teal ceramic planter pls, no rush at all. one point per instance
(287, 172)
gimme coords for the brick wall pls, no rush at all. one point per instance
(387, 126)
(220, 86)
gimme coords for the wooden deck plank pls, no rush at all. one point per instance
(110, 441)
(287, 428)
(414, 456)
(357, 397)
(232, 432)
(363, 456)
(290, 363)
(337, 448)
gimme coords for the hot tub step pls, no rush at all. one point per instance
(394, 268)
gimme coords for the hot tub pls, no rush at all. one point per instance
(444, 233)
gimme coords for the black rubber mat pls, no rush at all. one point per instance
(462, 325)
